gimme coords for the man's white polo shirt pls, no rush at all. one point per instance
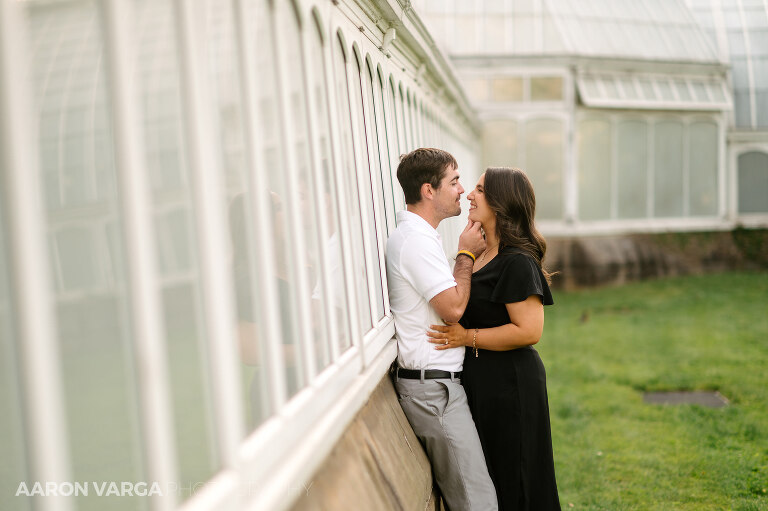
(417, 271)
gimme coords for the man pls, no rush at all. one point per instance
(422, 291)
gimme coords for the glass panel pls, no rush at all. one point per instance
(546, 88)
(682, 90)
(477, 89)
(646, 86)
(700, 91)
(761, 100)
(668, 169)
(741, 107)
(410, 128)
(552, 38)
(500, 143)
(494, 33)
(523, 34)
(158, 82)
(628, 86)
(330, 202)
(507, 89)
(632, 168)
(609, 86)
(83, 219)
(349, 189)
(405, 117)
(753, 182)
(13, 470)
(703, 158)
(665, 89)
(467, 27)
(309, 212)
(277, 187)
(590, 89)
(544, 165)
(369, 172)
(383, 136)
(594, 142)
(394, 99)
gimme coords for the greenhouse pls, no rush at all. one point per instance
(629, 116)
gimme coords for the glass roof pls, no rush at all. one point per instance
(628, 29)
(739, 31)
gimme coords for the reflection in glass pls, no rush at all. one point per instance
(245, 261)
(330, 205)
(158, 79)
(78, 185)
(309, 212)
(13, 469)
(273, 146)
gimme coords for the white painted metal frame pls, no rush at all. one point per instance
(208, 192)
(136, 211)
(30, 283)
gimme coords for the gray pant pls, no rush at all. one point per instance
(440, 417)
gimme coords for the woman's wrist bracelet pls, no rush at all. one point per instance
(474, 342)
(466, 253)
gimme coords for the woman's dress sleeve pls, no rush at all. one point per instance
(519, 278)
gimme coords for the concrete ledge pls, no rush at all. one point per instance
(378, 464)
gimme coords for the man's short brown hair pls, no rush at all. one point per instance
(423, 165)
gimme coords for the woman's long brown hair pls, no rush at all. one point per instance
(510, 195)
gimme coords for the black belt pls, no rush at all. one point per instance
(429, 374)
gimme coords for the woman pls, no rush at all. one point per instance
(503, 374)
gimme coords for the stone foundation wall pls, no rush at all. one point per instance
(378, 465)
(613, 260)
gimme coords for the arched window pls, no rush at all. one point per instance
(349, 187)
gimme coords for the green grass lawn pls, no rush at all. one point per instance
(604, 347)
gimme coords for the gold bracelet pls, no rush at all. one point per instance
(467, 253)
(474, 342)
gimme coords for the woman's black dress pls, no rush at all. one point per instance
(507, 390)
